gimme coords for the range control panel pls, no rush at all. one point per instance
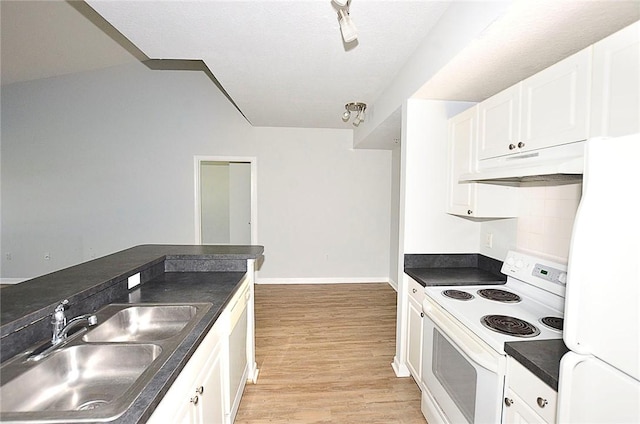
(549, 275)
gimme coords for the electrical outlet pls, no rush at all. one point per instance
(488, 240)
(8, 256)
(133, 281)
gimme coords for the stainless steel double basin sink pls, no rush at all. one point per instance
(96, 375)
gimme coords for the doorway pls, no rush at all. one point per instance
(225, 200)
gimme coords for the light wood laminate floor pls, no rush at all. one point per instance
(324, 354)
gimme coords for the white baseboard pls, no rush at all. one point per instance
(400, 369)
(331, 280)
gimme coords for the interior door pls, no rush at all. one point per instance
(225, 202)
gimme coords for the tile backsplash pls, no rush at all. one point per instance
(546, 218)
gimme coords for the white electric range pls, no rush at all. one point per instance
(466, 327)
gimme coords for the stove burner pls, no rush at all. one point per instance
(457, 294)
(499, 295)
(553, 322)
(509, 325)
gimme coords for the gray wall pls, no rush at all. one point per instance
(100, 161)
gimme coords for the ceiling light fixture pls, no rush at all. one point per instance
(347, 28)
(357, 107)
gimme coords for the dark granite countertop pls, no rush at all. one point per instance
(32, 300)
(26, 307)
(541, 357)
(455, 269)
(453, 276)
(178, 287)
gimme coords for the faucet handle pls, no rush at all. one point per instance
(58, 314)
(61, 306)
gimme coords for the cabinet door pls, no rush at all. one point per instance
(499, 118)
(414, 340)
(615, 97)
(516, 411)
(473, 199)
(211, 408)
(462, 136)
(178, 404)
(555, 103)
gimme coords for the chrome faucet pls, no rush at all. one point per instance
(61, 327)
(60, 330)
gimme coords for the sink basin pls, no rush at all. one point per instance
(143, 324)
(98, 376)
(78, 378)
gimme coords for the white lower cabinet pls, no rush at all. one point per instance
(527, 398)
(198, 394)
(414, 330)
(209, 387)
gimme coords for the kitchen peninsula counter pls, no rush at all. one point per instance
(169, 274)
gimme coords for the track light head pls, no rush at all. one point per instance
(347, 28)
(357, 107)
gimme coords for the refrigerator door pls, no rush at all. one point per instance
(601, 316)
(590, 391)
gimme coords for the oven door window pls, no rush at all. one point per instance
(456, 375)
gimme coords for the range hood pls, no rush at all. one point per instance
(558, 163)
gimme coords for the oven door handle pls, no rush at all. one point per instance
(474, 350)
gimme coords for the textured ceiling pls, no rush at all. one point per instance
(531, 36)
(282, 62)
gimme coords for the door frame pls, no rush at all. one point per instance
(197, 161)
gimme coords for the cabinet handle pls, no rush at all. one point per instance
(521, 145)
(200, 390)
(508, 401)
(415, 290)
(541, 402)
(421, 314)
(194, 400)
(469, 211)
(512, 146)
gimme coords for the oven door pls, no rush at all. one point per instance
(463, 376)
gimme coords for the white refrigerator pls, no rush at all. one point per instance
(600, 376)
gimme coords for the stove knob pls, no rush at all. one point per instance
(519, 263)
(562, 277)
(510, 261)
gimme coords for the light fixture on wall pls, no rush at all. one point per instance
(347, 28)
(356, 107)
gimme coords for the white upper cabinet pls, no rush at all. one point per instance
(555, 104)
(473, 199)
(547, 109)
(615, 99)
(499, 123)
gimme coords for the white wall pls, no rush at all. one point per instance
(396, 265)
(427, 226)
(424, 225)
(328, 208)
(97, 162)
(544, 225)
